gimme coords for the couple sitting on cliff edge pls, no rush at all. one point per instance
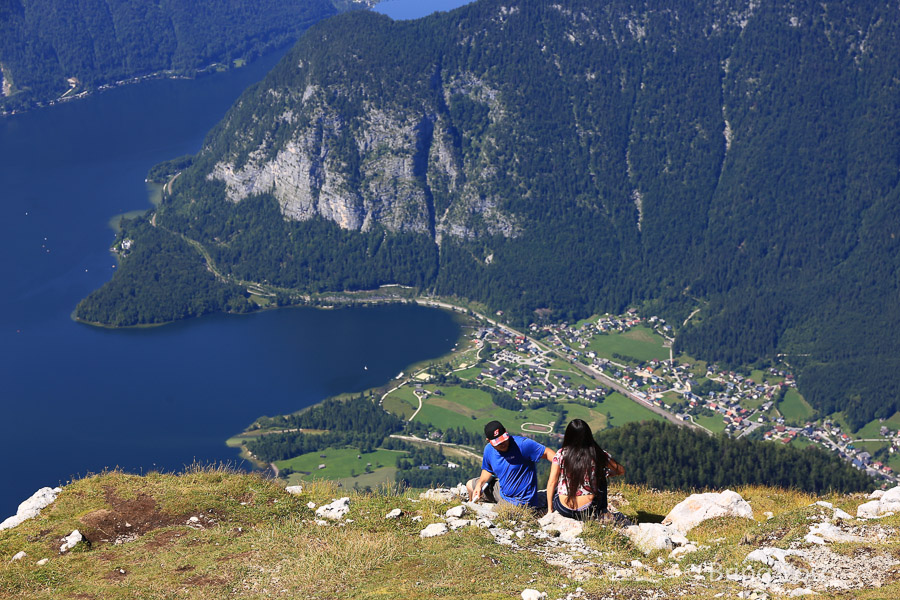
(577, 487)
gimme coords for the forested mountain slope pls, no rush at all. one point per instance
(44, 43)
(734, 155)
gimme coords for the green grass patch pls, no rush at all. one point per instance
(893, 462)
(261, 301)
(592, 416)
(639, 343)
(872, 429)
(795, 408)
(339, 463)
(378, 478)
(469, 374)
(802, 442)
(622, 410)
(871, 447)
(402, 402)
(458, 406)
(714, 423)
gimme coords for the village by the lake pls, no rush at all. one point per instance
(608, 370)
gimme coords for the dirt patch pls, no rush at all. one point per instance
(125, 520)
(163, 539)
(39, 535)
(116, 575)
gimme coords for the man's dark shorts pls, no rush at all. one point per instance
(490, 493)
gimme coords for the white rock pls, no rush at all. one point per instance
(824, 504)
(832, 533)
(194, 520)
(655, 536)
(336, 510)
(637, 564)
(839, 514)
(294, 490)
(769, 515)
(310, 505)
(697, 508)
(814, 539)
(32, 507)
(434, 530)
(439, 495)
(568, 529)
(530, 594)
(456, 511)
(70, 541)
(459, 523)
(877, 494)
(869, 510)
(682, 551)
(394, 514)
(801, 592)
(18, 556)
(484, 511)
(417, 518)
(770, 556)
(43, 562)
(892, 495)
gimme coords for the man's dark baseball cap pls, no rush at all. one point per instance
(495, 433)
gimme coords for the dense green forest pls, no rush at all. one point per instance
(160, 279)
(45, 42)
(582, 157)
(654, 453)
(665, 456)
(357, 422)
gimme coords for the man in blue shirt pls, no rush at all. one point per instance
(509, 469)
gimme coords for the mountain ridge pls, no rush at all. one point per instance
(571, 158)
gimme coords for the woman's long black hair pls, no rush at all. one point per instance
(583, 455)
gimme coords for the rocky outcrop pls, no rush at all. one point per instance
(377, 168)
(697, 508)
(648, 537)
(884, 504)
(31, 507)
(335, 510)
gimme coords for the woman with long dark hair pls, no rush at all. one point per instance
(577, 485)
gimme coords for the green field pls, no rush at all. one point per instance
(458, 406)
(802, 442)
(593, 417)
(894, 462)
(871, 429)
(640, 343)
(622, 410)
(339, 463)
(714, 424)
(469, 374)
(795, 408)
(401, 402)
(871, 447)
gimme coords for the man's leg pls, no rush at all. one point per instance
(490, 492)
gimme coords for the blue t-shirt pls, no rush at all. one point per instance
(515, 469)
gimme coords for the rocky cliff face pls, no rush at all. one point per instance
(396, 155)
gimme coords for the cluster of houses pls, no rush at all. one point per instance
(520, 368)
(530, 383)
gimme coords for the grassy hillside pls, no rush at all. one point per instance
(215, 534)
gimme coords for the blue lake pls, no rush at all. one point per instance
(76, 399)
